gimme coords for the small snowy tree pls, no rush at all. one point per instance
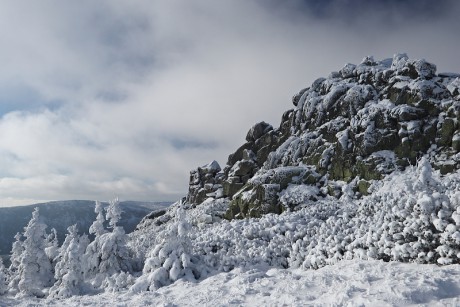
(108, 254)
(114, 212)
(425, 177)
(97, 228)
(15, 259)
(69, 268)
(52, 246)
(170, 260)
(35, 272)
(3, 283)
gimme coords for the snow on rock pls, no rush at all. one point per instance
(454, 87)
(205, 180)
(299, 194)
(339, 123)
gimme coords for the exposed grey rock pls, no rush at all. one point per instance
(231, 189)
(203, 181)
(257, 131)
(359, 124)
(296, 97)
(348, 71)
(242, 168)
(238, 154)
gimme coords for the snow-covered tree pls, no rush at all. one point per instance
(52, 246)
(16, 252)
(35, 272)
(97, 228)
(108, 254)
(170, 260)
(69, 268)
(114, 212)
(3, 283)
(425, 171)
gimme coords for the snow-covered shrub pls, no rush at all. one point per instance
(69, 267)
(118, 282)
(169, 260)
(298, 194)
(34, 270)
(410, 216)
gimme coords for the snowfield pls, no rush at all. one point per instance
(347, 283)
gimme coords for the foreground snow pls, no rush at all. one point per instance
(193, 257)
(347, 283)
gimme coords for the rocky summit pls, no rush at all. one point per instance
(356, 126)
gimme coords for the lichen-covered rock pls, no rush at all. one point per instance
(255, 201)
(261, 194)
(446, 132)
(456, 142)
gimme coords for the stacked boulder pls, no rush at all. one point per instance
(358, 125)
(205, 181)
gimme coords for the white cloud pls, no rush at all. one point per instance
(131, 95)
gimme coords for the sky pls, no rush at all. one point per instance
(115, 98)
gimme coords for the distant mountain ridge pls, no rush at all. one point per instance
(62, 214)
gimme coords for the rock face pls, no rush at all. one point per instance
(359, 124)
(205, 181)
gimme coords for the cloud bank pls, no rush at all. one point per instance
(123, 98)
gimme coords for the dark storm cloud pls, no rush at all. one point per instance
(387, 10)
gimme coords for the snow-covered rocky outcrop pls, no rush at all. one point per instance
(356, 125)
(364, 167)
